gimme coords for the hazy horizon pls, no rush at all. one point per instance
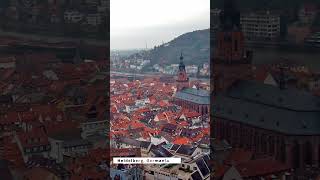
(148, 23)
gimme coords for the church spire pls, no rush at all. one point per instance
(182, 79)
(181, 57)
(181, 65)
(230, 56)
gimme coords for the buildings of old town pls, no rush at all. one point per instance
(147, 113)
(48, 125)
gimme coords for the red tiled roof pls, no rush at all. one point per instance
(191, 114)
(143, 110)
(163, 103)
(184, 124)
(162, 116)
(181, 140)
(149, 130)
(152, 100)
(145, 135)
(136, 116)
(136, 124)
(198, 137)
(206, 131)
(170, 114)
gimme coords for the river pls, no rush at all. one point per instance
(151, 74)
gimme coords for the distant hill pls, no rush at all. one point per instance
(195, 47)
(125, 53)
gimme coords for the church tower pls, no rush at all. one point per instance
(182, 78)
(230, 60)
(230, 39)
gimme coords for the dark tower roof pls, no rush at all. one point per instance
(230, 17)
(181, 64)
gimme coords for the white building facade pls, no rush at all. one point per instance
(260, 25)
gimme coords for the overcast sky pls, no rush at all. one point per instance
(137, 23)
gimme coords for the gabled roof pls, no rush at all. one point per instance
(160, 151)
(198, 96)
(203, 167)
(287, 111)
(186, 150)
(206, 159)
(196, 176)
(145, 144)
(175, 147)
(169, 127)
(273, 96)
(267, 117)
(134, 142)
(191, 114)
(190, 132)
